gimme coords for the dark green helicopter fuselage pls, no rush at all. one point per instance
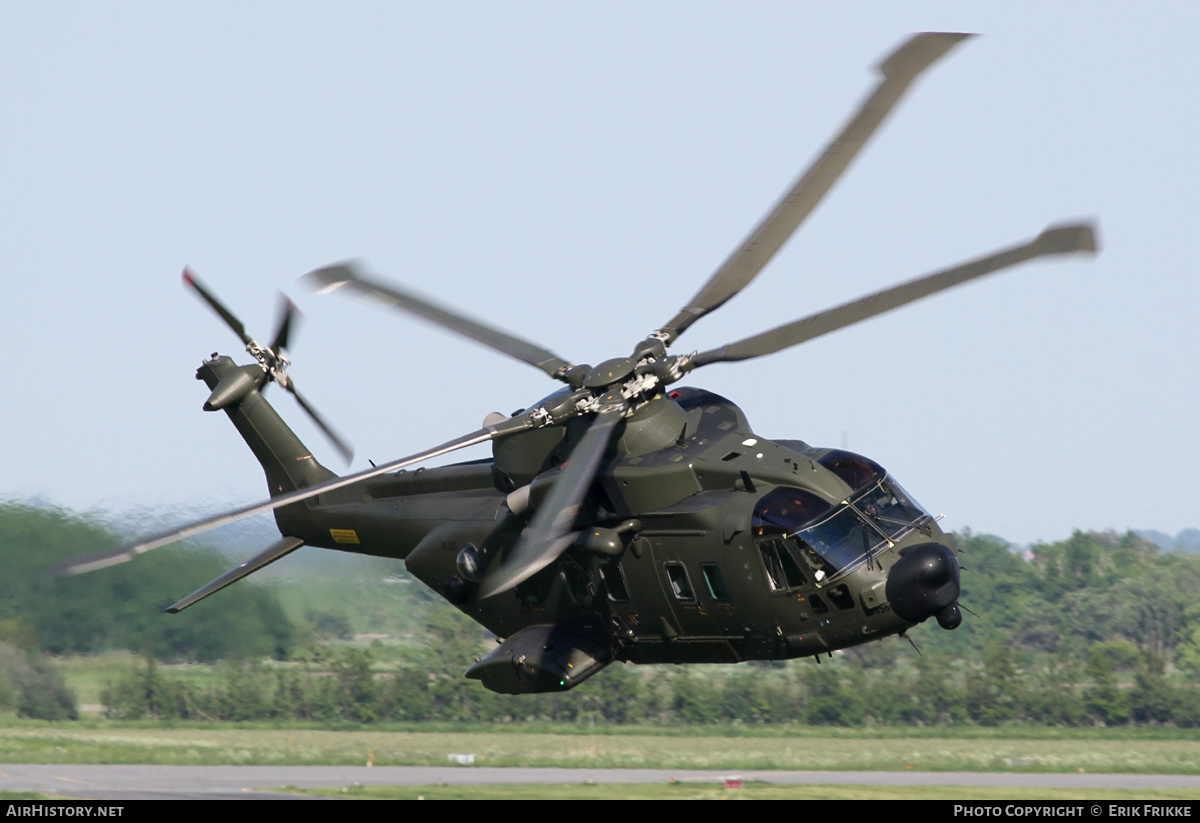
(699, 542)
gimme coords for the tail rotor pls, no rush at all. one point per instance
(272, 364)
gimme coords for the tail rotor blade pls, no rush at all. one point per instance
(1061, 240)
(272, 359)
(899, 71)
(340, 443)
(289, 311)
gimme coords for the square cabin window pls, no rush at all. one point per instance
(681, 587)
(715, 581)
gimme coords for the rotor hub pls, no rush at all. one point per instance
(616, 370)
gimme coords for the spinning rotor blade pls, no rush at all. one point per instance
(347, 274)
(131, 550)
(1061, 240)
(549, 534)
(279, 373)
(339, 442)
(272, 359)
(285, 324)
(217, 306)
(899, 70)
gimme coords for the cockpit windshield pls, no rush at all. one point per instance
(842, 539)
(889, 507)
(837, 538)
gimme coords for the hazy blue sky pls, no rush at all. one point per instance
(574, 172)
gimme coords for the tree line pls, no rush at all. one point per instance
(1100, 628)
(1115, 685)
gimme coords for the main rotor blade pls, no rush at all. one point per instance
(230, 319)
(348, 274)
(899, 70)
(131, 550)
(548, 535)
(339, 442)
(1062, 240)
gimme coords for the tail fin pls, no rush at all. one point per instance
(289, 464)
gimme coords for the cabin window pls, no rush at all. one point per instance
(841, 597)
(681, 586)
(715, 581)
(614, 581)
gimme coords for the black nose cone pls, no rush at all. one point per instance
(950, 617)
(924, 583)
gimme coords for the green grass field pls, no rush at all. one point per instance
(804, 749)
(751, 791)
(729, 748)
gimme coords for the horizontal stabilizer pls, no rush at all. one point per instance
(276, 550)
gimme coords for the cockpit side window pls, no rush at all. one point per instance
(769, 552)
(783, 569)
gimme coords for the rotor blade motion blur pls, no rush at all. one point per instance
(285, 323)
(132, 550)
(549, 534)
(271, 358)
(230, 319)
(348, 274)
(899, 70)
(339, 442)
(1062, 240)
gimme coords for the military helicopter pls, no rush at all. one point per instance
(624, 517)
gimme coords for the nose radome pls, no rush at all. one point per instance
(924, 582)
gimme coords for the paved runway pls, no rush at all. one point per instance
(247, 782)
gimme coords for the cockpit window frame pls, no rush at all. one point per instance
(864, 507)
(904, 527)
(830, 569)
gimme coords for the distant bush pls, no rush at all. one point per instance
(33, 687)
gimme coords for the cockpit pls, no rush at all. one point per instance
(834, 539)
